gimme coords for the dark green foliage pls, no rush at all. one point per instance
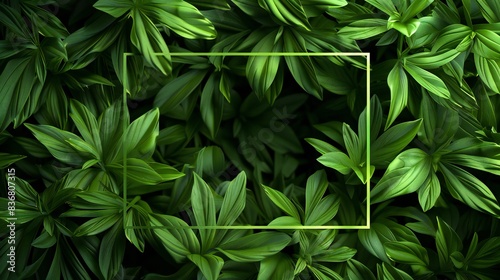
(219, 161)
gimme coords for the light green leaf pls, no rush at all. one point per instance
(86, 123)
(406, 28)
(209, 265)
(385, 6)
(234, 201)
(289, 12)
(97, 225)
(470, 190)
(255, 247)
(432, 60)
(364, 29)
(428, 80)
(415, 8)
(180, 241)
(55, 140)
(341, 254)
(140, 136)
(407, 253)
(324, 211)
(352, 144)
(278, 266)
(283, 202)
(488, 71)
(375, 238)
(321, 146)
(398, 84)
(203, 203)
(406, 174)
(264, 72)
(181, 17)
(146, 37)
(490, 10)
(393, 141)
(486, 44)
(430, 192)
(338, 161)
(316, 186)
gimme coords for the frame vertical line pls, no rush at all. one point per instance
(368, 138)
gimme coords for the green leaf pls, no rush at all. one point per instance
(148, 40)
(283, 202)
(209, 265)
(234, 201)
(255, 247)
(428, 80)
(277, 266)
(406, 174)
(338, 161)
(116, 8)
(388, 272)
(407, 253)
(7, 159)
(289, 12)
(55, 140)
(375, 238)
(264, 72)
(316, 186)
(324, 212)
(429, 192)
(439, 123)
(140, 136)
(211, 105)
(352, 144)
(86, 123)
(321, 146)
(97, 225)
(177, 90)
(175, 234)
(111, 124)
(301, 67)
(469, 190)
(341, 254)
(398, 84)
(181, 17)
(488, 71)
(203, 203)
(490, 10)
(486, 44)
(393, 141)
(415, 8)
(447, 242)
(210, 161)
(112, 251)
(357, 270)
(431, 60)
(487, 255)
(385, 6)
(407, 28)
(364, 29)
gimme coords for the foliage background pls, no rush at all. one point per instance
(251, 141)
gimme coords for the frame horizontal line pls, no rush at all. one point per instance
(248, 227)
(259, 54)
